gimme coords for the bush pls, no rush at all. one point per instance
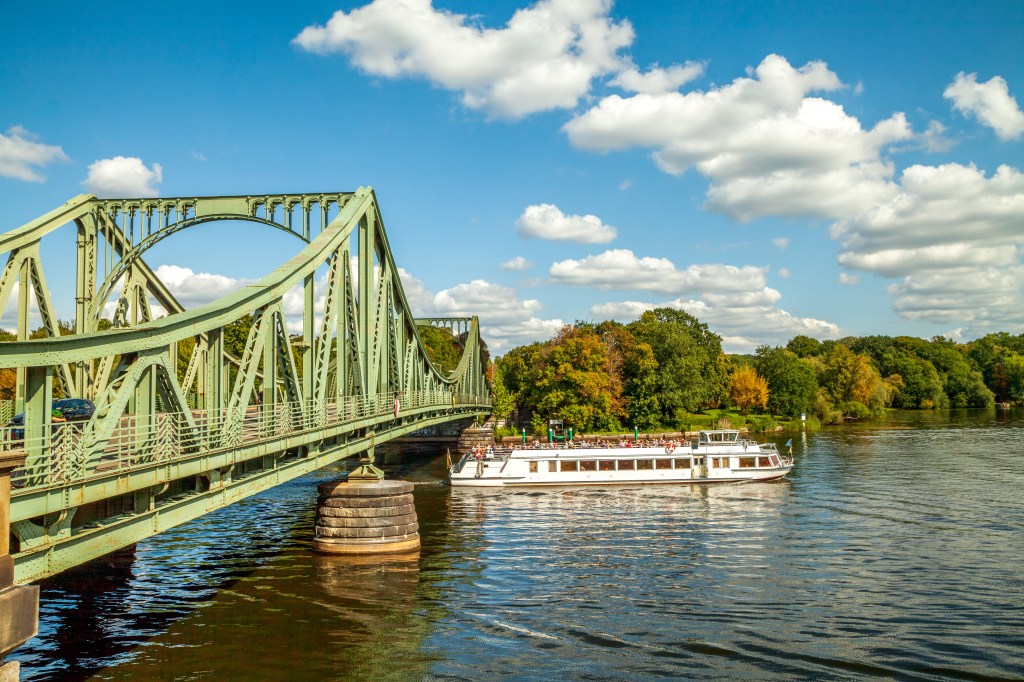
(855, 410)
(761, 424)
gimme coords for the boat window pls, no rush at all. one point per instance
(775, 460)
(698, 461)
(747, 462)
(763, 462)
(533, 467)
(662, 464)
(682, 464)
(570, 465)
(645, 464)
(606, 465)
(588, 465)
(628, 464)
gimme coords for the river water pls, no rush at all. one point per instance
(895, 549)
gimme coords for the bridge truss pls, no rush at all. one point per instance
(167, 444)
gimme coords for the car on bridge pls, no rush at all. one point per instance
(73, 409)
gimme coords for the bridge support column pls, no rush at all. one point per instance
(360, 517)
(19, 604)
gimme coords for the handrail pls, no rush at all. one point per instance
(169, 437)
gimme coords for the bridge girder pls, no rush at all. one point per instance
(363, 371)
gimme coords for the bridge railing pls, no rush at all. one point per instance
(167, 437)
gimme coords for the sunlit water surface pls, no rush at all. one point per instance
(895, 549)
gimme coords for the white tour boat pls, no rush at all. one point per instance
(714, 457)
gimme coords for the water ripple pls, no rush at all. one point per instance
(890, 552)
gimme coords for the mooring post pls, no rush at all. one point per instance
(19, 604)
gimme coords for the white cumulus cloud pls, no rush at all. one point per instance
(953, 236)
(545, 57)
(517, 263)
(766, 144)
(621, 269)
(848, 279)
(21, 154)
(990, 102)
(123, 176)
(547, 221)
(505, 319)
(657, 80)
(193, 289)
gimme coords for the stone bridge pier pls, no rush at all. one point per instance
(19, 604)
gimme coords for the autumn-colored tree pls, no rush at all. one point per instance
(8, 380)
(852, 381)
(573, 380)
(748, 390)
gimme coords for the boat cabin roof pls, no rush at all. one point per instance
(719, 436)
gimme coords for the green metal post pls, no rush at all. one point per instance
(23, 285)
(524, 435)
(85, 285)
(269, 377)
(636, 433)
(308, 371)
(214, 399)
(144, 398)
(38, 403)
(366, 303)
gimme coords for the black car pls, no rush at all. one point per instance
(73, 409)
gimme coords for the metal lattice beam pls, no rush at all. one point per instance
(365, 375)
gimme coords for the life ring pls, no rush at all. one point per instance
(478, 453)
(670, 448)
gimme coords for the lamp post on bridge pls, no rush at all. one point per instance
(19, 604)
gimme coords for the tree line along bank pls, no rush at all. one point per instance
(667, 369)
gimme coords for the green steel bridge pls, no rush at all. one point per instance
(168, 442)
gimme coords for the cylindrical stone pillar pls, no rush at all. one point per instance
(364, 517)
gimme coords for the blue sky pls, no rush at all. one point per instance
(774, 168)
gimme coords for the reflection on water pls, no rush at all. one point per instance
(893, 550)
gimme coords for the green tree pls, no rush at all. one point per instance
(641, 370)
(962, 382)
(502, 400)
(442, 348)
(915, 379)
(519, 367)
(792, 382)
(1013, 366)
(692, 370)
(803, 346)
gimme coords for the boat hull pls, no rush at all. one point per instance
(507, 483)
